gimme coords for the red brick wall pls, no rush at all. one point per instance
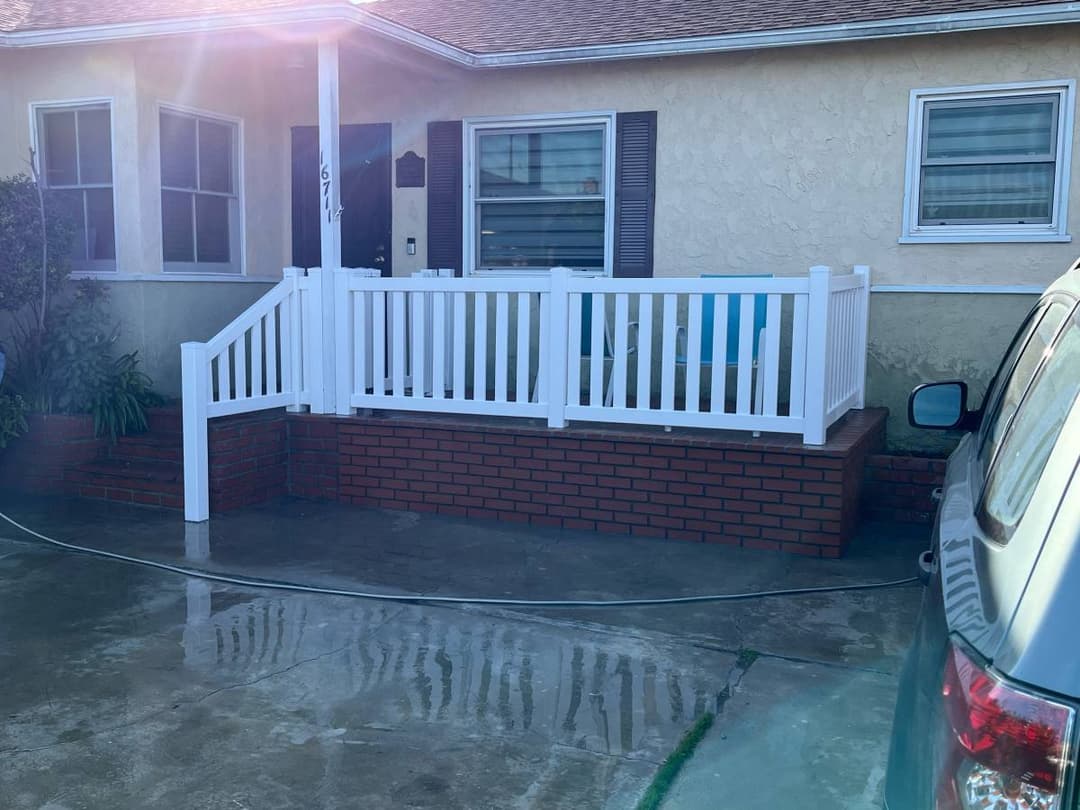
(35, 462)
(313, 457)
(898, 488)
(248, 459)
(756, 494)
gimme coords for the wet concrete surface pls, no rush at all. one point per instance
(126, 687)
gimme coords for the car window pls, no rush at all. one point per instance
(1015, 375)
(1028, 440)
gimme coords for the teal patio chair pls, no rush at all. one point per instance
(733, 326)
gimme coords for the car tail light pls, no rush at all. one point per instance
(1007, 749)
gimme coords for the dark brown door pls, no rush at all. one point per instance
(365, 196)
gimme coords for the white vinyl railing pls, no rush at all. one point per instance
(762, 354)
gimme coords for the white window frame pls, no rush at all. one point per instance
(476, 125)
(237, 244)
(89, 267)
(1054, 231)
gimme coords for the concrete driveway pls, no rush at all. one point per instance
(126, 687)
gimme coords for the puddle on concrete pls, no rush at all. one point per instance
(398, 665)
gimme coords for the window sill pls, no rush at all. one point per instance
(955, 238)
(233, 278)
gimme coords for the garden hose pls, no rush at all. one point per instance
(277, 585)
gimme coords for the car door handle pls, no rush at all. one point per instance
(935, 495)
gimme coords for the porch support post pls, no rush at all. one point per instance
(329, 210)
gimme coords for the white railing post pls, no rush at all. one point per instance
(862, 325)
(345, 340)
(195, 379)
(817, 361)
(313, 325)
(292, 358)
(557, 350)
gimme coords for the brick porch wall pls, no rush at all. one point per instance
(764, 493)
(248, 459)
(898, 488)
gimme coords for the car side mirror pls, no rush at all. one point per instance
(939, 406)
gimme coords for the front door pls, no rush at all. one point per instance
(365, 196)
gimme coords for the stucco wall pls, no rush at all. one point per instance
(767, 162)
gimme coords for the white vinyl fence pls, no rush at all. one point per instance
(762, 354)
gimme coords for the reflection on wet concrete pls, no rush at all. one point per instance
(403, 664)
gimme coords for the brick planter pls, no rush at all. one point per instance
(35, 462)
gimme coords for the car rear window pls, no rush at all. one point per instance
(1035, 418)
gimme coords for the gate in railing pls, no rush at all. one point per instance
(760, 354)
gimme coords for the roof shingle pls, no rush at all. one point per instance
(497, 26)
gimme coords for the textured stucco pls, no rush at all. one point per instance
(767, 161)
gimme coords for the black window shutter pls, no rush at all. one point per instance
(635, 193)
(444, 195)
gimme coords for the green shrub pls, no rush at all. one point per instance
(120, 399)
(20, 241)
(72, 366)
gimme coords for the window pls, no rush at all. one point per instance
(540, 194)
(200, 209)
(988, 164)
(75, 160)
(1030, 434)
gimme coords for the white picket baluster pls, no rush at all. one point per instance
(378, 348)
(620, 351)
(271, 352)
(667, 358)
(438, 353)
(480, 341)
(645, 351)
(361, 341)
(523, 347)
(718, 381)
(573, 377)
(693, 354)
(240, 367)
(798, 356)
(459, 345)
(745, 371)
(771, 355)
(223, 376)
(596, 352)
(397, 343)
(419, 343)
(257, 359)
(502, 340)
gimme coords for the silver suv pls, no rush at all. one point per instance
(986, 713)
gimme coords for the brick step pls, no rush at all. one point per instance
(147, 447)
(158, 483)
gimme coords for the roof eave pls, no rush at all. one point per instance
(1058, 13)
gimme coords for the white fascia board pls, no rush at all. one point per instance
(1057, 13)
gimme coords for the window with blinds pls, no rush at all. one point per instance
(989, 164)
(540, 196)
